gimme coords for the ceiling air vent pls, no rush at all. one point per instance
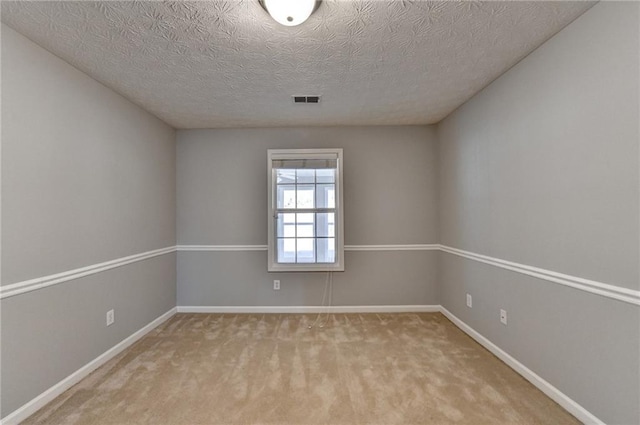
(306, 99)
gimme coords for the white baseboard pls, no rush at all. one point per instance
(41, 400)
(312, 309)
(552, 392)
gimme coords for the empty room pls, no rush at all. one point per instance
(320, 212)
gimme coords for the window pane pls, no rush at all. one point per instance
(304, 184)
(286, 250)
(286, 225)
(305, 230)
(286, 196)
(305, 176)
(304, 218)
(305, 225)
(326, 250)
(325, 176)
(325, 225)
(326, 195)
(284, 176)
(305, 196)
(306, 250)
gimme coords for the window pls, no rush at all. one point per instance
(305, 210)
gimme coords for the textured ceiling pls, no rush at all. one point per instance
(228, 64)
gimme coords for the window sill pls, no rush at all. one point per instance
(302, 268)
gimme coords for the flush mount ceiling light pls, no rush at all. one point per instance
(290, 12)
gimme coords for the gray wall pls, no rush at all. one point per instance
(541, 168)
(389, 196)
(87, 177)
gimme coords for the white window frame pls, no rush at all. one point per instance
(280, 154)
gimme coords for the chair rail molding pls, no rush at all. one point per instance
(607, 290)
(54, 279)
(619, 293)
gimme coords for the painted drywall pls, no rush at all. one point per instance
(51, 333)
(389, 198)
(87, 177)
(541, 168)
(73, 150)
(372, 278)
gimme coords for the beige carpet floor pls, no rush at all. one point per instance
(273, 369)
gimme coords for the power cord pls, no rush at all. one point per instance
(328, 284)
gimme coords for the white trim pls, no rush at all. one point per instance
(626, 295)
(598, 288)
(606, 290)
(47, 396)
(301, 154)
(410, 247)
(552, 392)
(397, 247)
(54, 279)
(221, 247)
(312, 309)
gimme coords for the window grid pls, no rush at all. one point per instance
(320, 173)
(300, 179)
(330, 239)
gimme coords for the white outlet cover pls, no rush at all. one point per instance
(110, 317)
(503, 317)
(276, 285)
(469, 301)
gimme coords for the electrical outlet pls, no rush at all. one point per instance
(276, 285)
(469, 301)
(111, 317)
(503, 316)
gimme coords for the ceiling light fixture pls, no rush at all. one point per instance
(290, 12)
